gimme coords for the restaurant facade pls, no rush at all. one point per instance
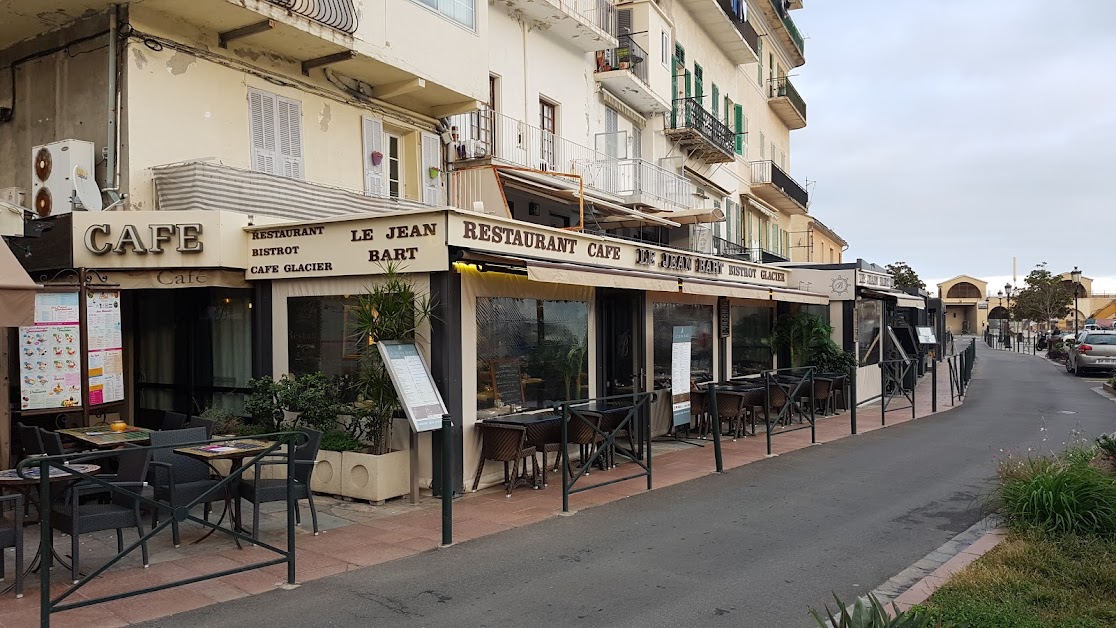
(525, 315)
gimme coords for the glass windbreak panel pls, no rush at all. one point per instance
(869, 315)
(156, 349)
(530, 353)
(751, 340)
(821, 311)
(321, 335)
(667, 316)
(227, 320)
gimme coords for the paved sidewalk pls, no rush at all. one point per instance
(374, 537)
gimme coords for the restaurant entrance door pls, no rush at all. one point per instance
(621, 340)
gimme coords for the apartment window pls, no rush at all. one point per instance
(759, 66)
(699, 89)
(276, 134)
(664, 45)
(461, 11)
(773, 153)
(739, 119)
(612, 127)
(744, 136)
(783, 160)
(771, 71)
(763, 142)
(548, 116)
(395, 165)
(728, 110)
(716, 99)
(680, 53)
(637, 144)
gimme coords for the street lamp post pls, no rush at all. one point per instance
(1076, 275)
(1010, 331)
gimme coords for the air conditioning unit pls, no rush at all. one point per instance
(11, 218)
(62, 179)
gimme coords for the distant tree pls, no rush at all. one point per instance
(905, 276)
(1046, 297)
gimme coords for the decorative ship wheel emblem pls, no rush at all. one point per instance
(839, 285)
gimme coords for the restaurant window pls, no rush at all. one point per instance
(531, 353)
(751, 339)
(869, 317)
(821, 311)
(321, 335)
(667, 316)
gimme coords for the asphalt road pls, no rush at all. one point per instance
(757, 546)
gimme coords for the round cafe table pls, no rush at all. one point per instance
(29, 488)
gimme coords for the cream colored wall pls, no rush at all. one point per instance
(183, 107)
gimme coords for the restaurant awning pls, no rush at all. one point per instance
(791, 295)
(578, 275)
(902, 299)
(725, 289)
(564, 190)
(763, 207)
(17, 291)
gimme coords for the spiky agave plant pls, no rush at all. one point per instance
(870, 612)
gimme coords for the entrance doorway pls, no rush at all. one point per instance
(620, 334)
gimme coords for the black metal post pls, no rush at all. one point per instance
(565, 460)
(645, 419)
(813, 411)
(46, 535)
(914, 391)
(934, 385)
(292, 507)
(767, 379)
(883, 394)
(852, 399)
(447, 480)
(716, 417)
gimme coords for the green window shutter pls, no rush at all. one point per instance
(679, 54)
(739, 130)
(689, 82)
(686, 109)
(716, 100)
(674, 92)
(759, 66)
(699, 91)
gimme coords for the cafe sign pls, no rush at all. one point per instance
(498, 235)
(159, 239)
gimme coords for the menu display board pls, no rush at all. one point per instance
(680, 375)
(417, 393)
(49, 354)
(106, 355)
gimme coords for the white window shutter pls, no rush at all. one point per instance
(290, 138)
(262, 115)
(431, 158)
(375, 183)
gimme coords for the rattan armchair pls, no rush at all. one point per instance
(177, 479)
(507, 444)
(11, 535)
(263, 490)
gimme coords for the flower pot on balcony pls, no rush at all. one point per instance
(377, 157)
(375, 478)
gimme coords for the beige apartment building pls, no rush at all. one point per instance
(634, 158)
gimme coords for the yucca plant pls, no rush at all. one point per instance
(870, 612)
(804, 334)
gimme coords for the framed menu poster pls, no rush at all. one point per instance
(50, 354)
(106, 354)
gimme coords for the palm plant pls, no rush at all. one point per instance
(804, 334)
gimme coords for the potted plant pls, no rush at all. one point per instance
(392, 310)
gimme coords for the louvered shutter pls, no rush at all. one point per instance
(261, 111)
(739, 130)
(624, 22)
(374, 184)
(431, 158)
(290, 138)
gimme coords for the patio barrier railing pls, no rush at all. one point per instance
(40, 468)
(785, 390)
(583, 419)
(893, 376)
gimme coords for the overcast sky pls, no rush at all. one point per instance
(955, 134)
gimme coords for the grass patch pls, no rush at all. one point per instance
(1034, 580)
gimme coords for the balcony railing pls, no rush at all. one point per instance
(339, 14)
(788, 23)
(487, 134)
(767, 172)
(689, 114)
(781, 87)
(727, 248)
(735, 11)
(600, 13)
(628, 55)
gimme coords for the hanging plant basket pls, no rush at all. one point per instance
(377, 157)
(434, 172)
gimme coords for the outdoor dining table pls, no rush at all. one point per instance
(29, 487)
(612, 414)
(103, 437)
(235, 451)
(543, 428)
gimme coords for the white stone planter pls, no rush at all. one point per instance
(327, 473)
(375, 478)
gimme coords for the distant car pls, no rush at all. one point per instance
(1093, 351)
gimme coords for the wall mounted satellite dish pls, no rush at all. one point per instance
(85, 186)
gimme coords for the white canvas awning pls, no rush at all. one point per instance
(17, 291)
(725, 289)
(799, 296)
(581, 276)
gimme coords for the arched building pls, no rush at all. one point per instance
(964, 299)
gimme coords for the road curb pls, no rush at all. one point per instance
(951, 558)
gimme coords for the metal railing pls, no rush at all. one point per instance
(69, 465)
(782, 87)
(689, 114)
(893, 376)
(627, 55)
(788, 24)
(769, 172)
(584, 418)
(599, 13)
(636, 176)
(339, 14)
(734, 10)
(727, 248)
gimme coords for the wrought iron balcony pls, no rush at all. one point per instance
(724, 21)
(771, 184)
(339, 14)
(787, 103)
(700, 132)
(778, 13)
(623, 70)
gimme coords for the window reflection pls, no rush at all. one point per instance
(751, 339)
(321, 336)
(869, 314)
(667, 316)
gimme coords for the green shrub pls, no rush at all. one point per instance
(871, 613)
(340, 440)
(1058, 496)
(1107, 444)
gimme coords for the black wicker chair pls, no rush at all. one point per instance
(173, 421)
(177, 479)
(259, 491)
(11, 535)
(75, 517)
(30, 441)
(507, 444)
(208, 424)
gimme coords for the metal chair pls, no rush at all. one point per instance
(173, 421)
(11, 535)
(507, 444)
(259, 491)
(177, 479)
(699, 411)
(75, 517)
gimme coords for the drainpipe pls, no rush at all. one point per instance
(110, 152)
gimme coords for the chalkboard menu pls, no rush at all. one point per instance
(508, 381)
(723, 317)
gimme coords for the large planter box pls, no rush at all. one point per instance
(1109, 388)
(375, 478)
(327, 473)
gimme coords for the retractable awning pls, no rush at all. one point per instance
(725, 289)
(17, 291)
(554, 187)
(579, 275)
(902, 299)
(692, 216)
(791, 295)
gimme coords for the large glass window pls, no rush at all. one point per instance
(530, 353)
(751, 339)
(869, 318)
(320, 335)
(667, 316)
(821, 311)
(461, 11)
